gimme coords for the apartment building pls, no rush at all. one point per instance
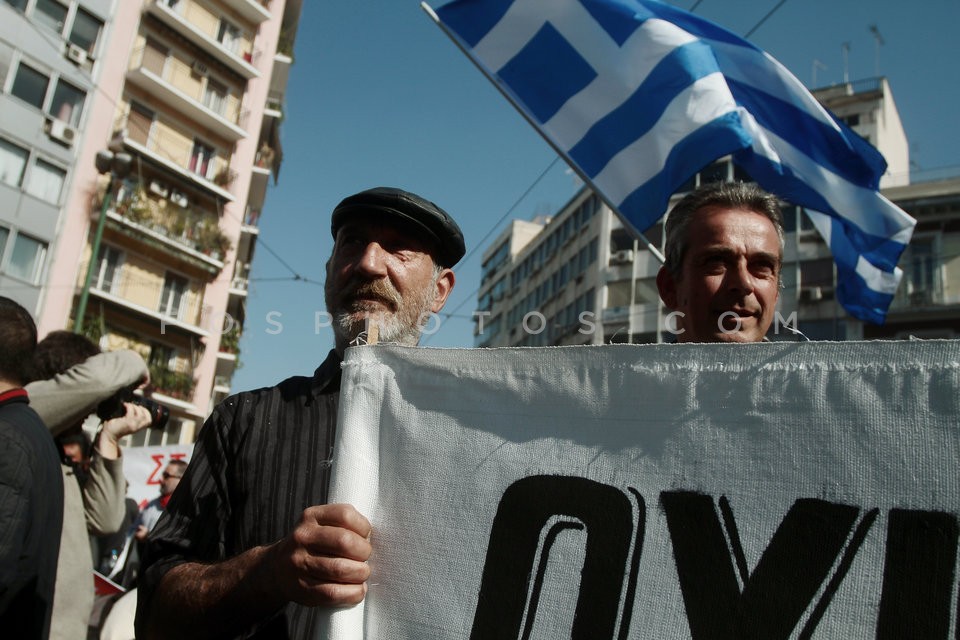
(580, 277)
(49, 53)
(192, 91)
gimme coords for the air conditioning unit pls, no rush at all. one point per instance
(198, 68)
(179, 199)
(622, 257)
(159, 188)
(60, 131)
(811, 294)
(921, 297)
(76, 55)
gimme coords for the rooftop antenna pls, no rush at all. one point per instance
(845, 48)
(879, 39)
(817, 65)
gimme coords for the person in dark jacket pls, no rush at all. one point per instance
(31, 488)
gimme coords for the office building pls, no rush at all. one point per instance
(580, 277)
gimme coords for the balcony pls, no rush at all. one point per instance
(251, 220)
(221, 385)
(240, 63)
(911, 297)
(162, 320)
(185, 232)
(274, 107)
(218, 120)
(215, 186)
(252, 10)
(266, 162)
(172, 384)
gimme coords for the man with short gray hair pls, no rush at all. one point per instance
(724, 251)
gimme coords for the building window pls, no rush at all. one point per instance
(67, 103)
(789, 213)
(108, 275)
(215, 97)
(154, 57)
(922, 269)
(26, 259)
(50, 14)
(13, 160)
(30, 85)
(139, 123)
(229, 35)
(201, 159)
(46, 181)
(162, 356)
(4, 234)
(85, 31)
(174, 291)
(19, 5)
(716, 172)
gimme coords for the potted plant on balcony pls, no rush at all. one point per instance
(230, 341)
(171, 383)
(224, 177)
(211, 240)
(138, 207)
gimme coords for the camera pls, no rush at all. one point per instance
(113, 408)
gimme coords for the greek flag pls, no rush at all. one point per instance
(639, 96)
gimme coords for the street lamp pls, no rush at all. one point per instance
(118, 166)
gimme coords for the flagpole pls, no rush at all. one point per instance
(453, 37)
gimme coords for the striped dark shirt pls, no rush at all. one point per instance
(261, 458)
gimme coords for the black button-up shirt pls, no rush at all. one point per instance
(261, 458)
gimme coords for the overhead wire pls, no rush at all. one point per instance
(516, 203)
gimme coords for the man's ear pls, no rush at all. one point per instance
(445, 282)
(667, 287)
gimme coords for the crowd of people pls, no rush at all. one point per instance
(223, 556)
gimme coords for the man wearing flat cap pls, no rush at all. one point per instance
(248, 546)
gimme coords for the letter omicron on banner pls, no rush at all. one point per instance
(799, 572)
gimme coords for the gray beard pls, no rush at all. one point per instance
(348, 326)
(400, 327)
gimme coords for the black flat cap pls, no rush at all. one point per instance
(411, 209)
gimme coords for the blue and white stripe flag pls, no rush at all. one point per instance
(639, 96)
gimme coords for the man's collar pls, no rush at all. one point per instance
(14, 395)
(327, 375)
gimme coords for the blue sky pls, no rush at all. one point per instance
(378, 95)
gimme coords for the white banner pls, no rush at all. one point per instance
(143, 466)
(786, 490)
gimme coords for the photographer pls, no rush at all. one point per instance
(78, 379)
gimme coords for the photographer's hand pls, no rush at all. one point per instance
(135, 419)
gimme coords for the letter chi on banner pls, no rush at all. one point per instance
(724, 491)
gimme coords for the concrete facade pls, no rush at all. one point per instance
(193, 90)
(534, 287)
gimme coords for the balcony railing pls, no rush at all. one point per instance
(252, 217)
(176, 87)
(910, 296)
(167, 148)
(239, 57)
(230, 342)
(183, 226)
(171, 383)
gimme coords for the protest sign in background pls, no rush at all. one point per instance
(143, 466)
(660, 491)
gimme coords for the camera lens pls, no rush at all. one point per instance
(159, 414)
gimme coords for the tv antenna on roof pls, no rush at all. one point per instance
(817, 65)
(845, 48)
(879, 39)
